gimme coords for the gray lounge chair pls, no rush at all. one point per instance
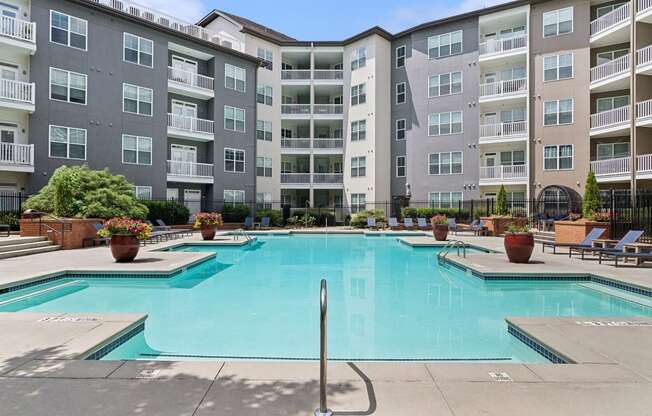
(421, 223)
(264, 223)
(180, 231)
(631, 237)
(452, 226)
(371, 223)
(478, 227)
(639, 257)
(393, 223)
(248, 223)
(407, 223)
(594, 234)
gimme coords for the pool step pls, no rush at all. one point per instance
(19, 240)
(26, 246)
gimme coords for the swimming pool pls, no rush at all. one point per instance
(387, 300)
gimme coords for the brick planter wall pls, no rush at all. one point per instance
(74, 230)
(573, 232)
(498, 225)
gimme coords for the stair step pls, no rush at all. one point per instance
(24, 246)
(27, 252)
(21, 240)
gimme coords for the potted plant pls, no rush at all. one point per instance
(519, 243)
(439, 227)
(208, 222)
(125, 235)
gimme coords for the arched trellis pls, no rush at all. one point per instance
(557, 201)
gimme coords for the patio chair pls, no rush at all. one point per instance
(179, 231)
(264, 223)
(393, 223)
(421, 223)
(248, 223)
(478, 227)
(5, 228)
(371, 223)
(156, 227)
(407, 223)
(452, 226)
(639, 257)
(586, 243)
(631, 237)
(96, 239)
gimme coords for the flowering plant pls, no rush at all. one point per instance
(439, 220)
(517, 229)
(600, 217)
(125, 226)
(203, 219)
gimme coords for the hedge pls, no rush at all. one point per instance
(275, 216)
(235, 213)
(171, 212)
(459, 215)
(359, 219)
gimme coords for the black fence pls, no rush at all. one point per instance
(624, 216)
(11, 205)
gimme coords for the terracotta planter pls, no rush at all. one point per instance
(573, 232)
(124, 248)
(519, 247)
(497, 226)
(440, 231)
(208, 232)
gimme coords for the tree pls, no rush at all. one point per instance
(591, 202)
(501, 202)
(77, 191)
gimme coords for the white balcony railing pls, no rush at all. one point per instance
(295, 143)
(16, 154)
(505, 88)
(17, 91)
(295, 178)
(609, 20)
(327, 178)
(328, 109)
(503, 45)
(611, 167)
(295, 108)
(18, 29)
(610, 118)
(644, 55)
(644, 163)
(644, 110)
(295, 74)
(190, 169)
(328, 74)
(190, 124)
(190, 79)
(609, 69)
(644, 5)
(332, 143)
(511, 129)
(503, 173)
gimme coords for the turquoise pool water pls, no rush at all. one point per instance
(386, 301)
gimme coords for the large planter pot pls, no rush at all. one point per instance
(574, 232)
(497, 226)
(208, 232)
(440, 231)
(519, 247)
(124, 248)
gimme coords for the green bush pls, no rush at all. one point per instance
(414, 213)
(235, 213)
(501, 201)
(591, 202)
(301, 220)
(359, 219)
(77, 191)
(171, 212)
(11, 219)
(275, 216)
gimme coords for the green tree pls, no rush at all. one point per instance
(501, 202)
(591, 202)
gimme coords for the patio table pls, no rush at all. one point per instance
(637, 248)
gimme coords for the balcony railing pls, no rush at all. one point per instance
(503, 173)
(644, 55)
(609, 20)
(190, 124)
(16, 154)
(328, 109)
(333, 143)
(644, 5)
(327, 178)
(190, 79)
(17, 91)
(505, 88)
(295, 74)
(295, 108)
(18, 29)
(644, 110)
(610, 118)
(609, 69)
(295, 178)
(511, 129)
(190, 169)
(611, 167)
(644, 163)
(328, 74)
(509, 44)
(295, 143)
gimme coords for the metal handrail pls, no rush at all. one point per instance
(441, 255)
(323, 409)
(241, 232)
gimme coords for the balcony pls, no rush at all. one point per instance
(619, 169)
(644, 60)
(300, 110)
(300, 76)
(318, 180)
(300, 179)
(304, 110)
(295, 145)
(16, 157)
(190, 84)
(295, 75)
(497, 175)
(189, 172)
(328, 109)
(190, 128)
(336, 75)
(612, 28)
(17, 95)
(610, 123)
(503, 132)
(514, 88)
(644, 113)
(611, 76)
(644, 11)
(18, 34)
(496, 48)
(328, 144)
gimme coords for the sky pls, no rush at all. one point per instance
(324, 20)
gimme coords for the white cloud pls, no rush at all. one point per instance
(188, 10)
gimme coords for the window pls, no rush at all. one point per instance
(234, 160)
(358, 167)
(512, 158)
(557, 67)
(264, 200)
(143, 192)
(137, 100)
(67, 142)
(235, 78)
(358, 130)
(440, 124)
(234, 119)
(558, 157)
(264, 130)
(602, 10)
(612, 150)
(400, 93)
(445, 84)
(233, 197)
(400, 56)
(358, 95)
(445, 163)
(67, 86)
(138, 50)
(558, 112)
(68, 30)
(400, 129)
(400, 166)
(267, 56)
(557, 22)
(136, 150)
(445, 45)
(444, 199)
(610, 103)
(604, 57)
(264, 94)
(358, 58)
(264, 166)
(358, 202)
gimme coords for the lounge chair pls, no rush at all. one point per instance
(639, 257)
(586, 243)
(264, 223)
(156, 227)
(478, 227)
(97, 239)
(421, 223)
(407, 223)
(180, 231)
(452, 226)
(631, 237)
(248, 223)
(371, 223)
(393, 223)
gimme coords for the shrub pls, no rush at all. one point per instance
(301, 221)
(591, 202)
(11, 219)
(501, 201)
(77, 191)
(414, 213)
(275, 216)
(359, 219)
(171, 212)
(515, 228)
(322, 216)
(235, 213)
